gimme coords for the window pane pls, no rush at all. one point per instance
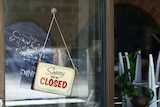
(80, 24)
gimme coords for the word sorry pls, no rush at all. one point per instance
(52, 71)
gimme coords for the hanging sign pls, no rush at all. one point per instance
(54, 79)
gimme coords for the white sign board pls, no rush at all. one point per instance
(54, 79)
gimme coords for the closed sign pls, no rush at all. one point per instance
(54, 79)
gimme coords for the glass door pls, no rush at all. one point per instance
(82, 24)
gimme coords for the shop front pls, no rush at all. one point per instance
(57, 53)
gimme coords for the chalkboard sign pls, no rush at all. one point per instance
(23, 42)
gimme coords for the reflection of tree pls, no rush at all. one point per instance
(156, 38)
(152, 33)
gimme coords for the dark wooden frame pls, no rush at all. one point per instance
(2, 54)
(109, 53)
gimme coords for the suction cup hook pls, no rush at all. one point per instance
(53, 10)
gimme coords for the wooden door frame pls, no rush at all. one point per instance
(2, 54)
(109, 53)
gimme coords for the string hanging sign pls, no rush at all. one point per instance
(54, 78)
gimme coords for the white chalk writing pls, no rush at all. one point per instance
(24, 42)
(27, 73)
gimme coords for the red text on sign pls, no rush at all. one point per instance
(52, 82)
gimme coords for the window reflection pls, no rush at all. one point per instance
(26, 25)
